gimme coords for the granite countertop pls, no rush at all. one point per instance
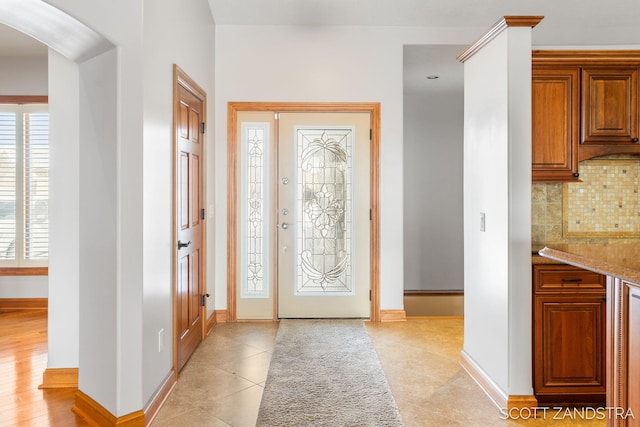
(618, 259)
(536, 258)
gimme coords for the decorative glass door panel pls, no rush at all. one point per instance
(323, 212)
(323, 215)
(256, 166)
(255, 224)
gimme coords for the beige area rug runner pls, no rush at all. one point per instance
(326, 373)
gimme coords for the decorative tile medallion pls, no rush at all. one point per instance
(606, 203)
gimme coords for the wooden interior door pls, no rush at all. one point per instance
(189, 221)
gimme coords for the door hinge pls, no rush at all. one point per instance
(202, 297)
(370, 134)
(369, 294)
(370, 215)
(202, 213)
(202, 127)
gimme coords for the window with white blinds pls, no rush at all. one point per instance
(24, 185)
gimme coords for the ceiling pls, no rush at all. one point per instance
(432, 69)
(567, 23)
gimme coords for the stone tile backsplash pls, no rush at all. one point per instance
(546, 213)
(605, 205)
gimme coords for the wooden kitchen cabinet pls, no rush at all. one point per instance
(555, 96)
(584, 104)
(620, 262)
(610, 107)
(623, 349)
(569, 327)
(633, 364)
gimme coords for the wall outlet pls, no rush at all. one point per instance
(160, 340)
(482, 222)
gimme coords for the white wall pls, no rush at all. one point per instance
(432, 177)
(191, 48)
(64, 196)
(341, 64)
(23, 75)
(497, 181)
(110, 297)
(520, 292)
(125, 213)
(100, 340)
(23, 286)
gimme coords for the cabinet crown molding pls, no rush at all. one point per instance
(585, 57)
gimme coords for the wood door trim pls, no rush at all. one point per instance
(232, 188)
(24, 271)
(24, 99)
(180, 78)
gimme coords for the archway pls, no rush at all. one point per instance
(78, 49)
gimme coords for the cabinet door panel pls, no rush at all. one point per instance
(609, 106)
(569, 344)
(555, 117)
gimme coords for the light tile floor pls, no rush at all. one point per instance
(222, 383)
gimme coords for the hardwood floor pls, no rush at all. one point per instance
(23, 359)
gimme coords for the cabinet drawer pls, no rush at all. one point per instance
(558, 278)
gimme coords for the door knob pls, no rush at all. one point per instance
(183, 245)
(284, 225)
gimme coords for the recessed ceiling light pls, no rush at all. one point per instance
(433, 77)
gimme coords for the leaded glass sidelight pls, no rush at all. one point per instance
(255, 143)
(324, 158)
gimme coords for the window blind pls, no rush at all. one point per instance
(8, 151)
(24, 185)
(36, 186)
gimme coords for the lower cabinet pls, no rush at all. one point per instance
(624, 351)
(633, 360)
(569, 329)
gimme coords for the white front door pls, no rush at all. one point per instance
(323, 215)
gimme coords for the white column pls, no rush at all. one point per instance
(497, 187)
(63, 212)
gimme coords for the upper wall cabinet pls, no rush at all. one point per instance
(555, 123)
(584, 104)
(609, 107)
